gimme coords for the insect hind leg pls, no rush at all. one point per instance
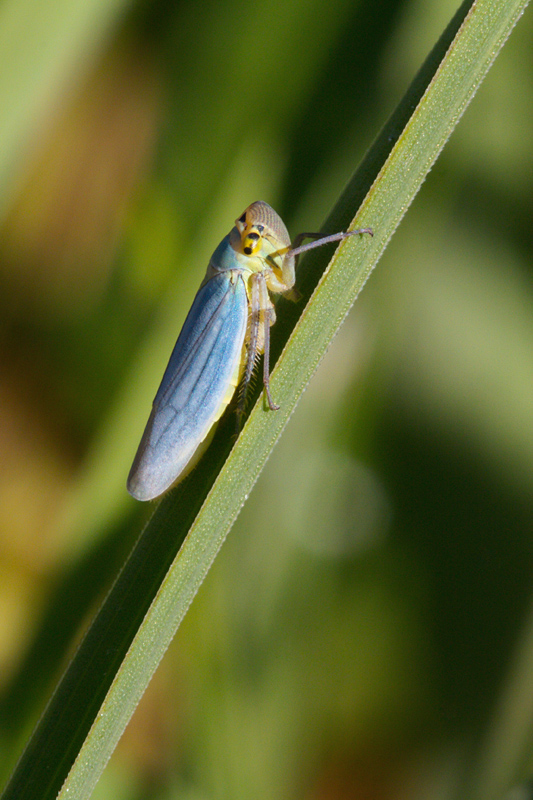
(262, 316)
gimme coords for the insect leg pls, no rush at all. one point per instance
(269, 318)
(297, 248)
(252, 349)
(262, 316)
(266, 368)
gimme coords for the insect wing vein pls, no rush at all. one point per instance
(194, 385)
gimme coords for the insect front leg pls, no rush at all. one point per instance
(262, 316)
(297, 247)
(269, 318)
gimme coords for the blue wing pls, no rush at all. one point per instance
(195, 385)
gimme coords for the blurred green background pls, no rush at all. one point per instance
(356, 630)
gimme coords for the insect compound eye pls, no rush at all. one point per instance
(241, 223)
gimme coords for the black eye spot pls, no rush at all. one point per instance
(242, 218)
(254, 236)
(260, 228)
(248, 251)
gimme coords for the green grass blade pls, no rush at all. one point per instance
(100, 690)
